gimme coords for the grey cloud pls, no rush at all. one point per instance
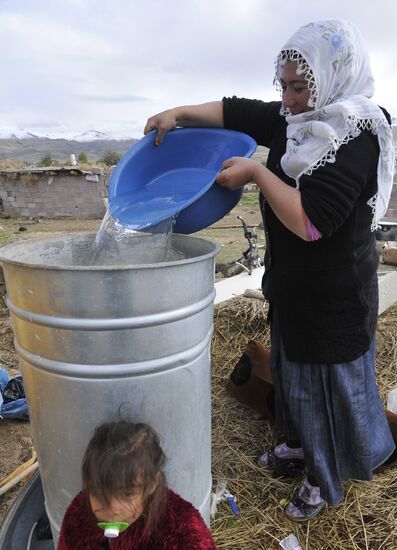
(113, 99)
(174, 67)
(52, 124)
(133, 59)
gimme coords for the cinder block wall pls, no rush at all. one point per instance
(54, 193)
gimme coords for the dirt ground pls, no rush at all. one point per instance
(15, 438)
(228, 232)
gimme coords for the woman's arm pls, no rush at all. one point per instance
(285, 201)
(205, 114)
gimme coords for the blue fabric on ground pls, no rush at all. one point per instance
(17, 409)
(336, 413)
(3, 382)
(4, 378)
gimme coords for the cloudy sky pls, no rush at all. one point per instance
(77, 65)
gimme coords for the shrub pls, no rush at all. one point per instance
(46, 161)
(110, 158)
(82, 158)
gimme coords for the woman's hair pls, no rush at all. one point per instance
(123, 455)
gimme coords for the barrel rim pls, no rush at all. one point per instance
(114, 267)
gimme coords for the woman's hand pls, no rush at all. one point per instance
(284, 200)
(202, 115)
(236, 172)
(162, 122)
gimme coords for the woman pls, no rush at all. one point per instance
(327, 183)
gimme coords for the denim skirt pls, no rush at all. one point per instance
(335, 411)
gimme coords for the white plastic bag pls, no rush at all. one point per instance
(392, 401)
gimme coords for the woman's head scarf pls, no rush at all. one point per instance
(332, 57)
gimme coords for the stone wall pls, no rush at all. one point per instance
(54, 192)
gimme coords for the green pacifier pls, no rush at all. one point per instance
(113, 529)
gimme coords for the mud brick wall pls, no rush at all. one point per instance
(53, 194)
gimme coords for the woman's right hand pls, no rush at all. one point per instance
(205, 114)
(162, 122)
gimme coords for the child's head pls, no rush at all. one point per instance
(122, 473)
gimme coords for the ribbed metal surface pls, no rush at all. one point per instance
(100, 343)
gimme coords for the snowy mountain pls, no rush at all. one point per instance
(24, 146)
(7, 132)
(15, 133)
(91, 135)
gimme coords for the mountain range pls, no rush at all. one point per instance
(24, 146)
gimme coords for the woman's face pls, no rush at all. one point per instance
(127, 506)
(295, 91)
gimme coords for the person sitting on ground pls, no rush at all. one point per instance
(125, 496)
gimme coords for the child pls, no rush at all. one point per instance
(125, 503)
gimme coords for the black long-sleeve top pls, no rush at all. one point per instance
(325, 292)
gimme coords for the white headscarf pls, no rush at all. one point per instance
(332, 57)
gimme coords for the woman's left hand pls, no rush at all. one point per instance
(236, 172)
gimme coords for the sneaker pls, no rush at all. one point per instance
(283, 461)
(305, 504)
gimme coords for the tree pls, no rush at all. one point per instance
(110, 158)
(82, 158)
(46, 161)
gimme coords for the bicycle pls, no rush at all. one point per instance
(250, 259)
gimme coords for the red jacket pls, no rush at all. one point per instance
(181, 527)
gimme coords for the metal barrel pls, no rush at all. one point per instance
(98, 343)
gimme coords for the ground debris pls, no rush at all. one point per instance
(367, 519)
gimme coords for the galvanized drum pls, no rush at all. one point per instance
(123, 340)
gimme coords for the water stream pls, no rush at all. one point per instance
(119, 243)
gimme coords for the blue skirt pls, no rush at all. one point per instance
(336, 413)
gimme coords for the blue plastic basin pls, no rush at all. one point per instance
(176, 179)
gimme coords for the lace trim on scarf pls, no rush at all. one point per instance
(356, 126)
(302, 68)
(372, 204)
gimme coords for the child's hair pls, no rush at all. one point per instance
(124, 455)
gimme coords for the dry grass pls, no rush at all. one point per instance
(367, 519)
